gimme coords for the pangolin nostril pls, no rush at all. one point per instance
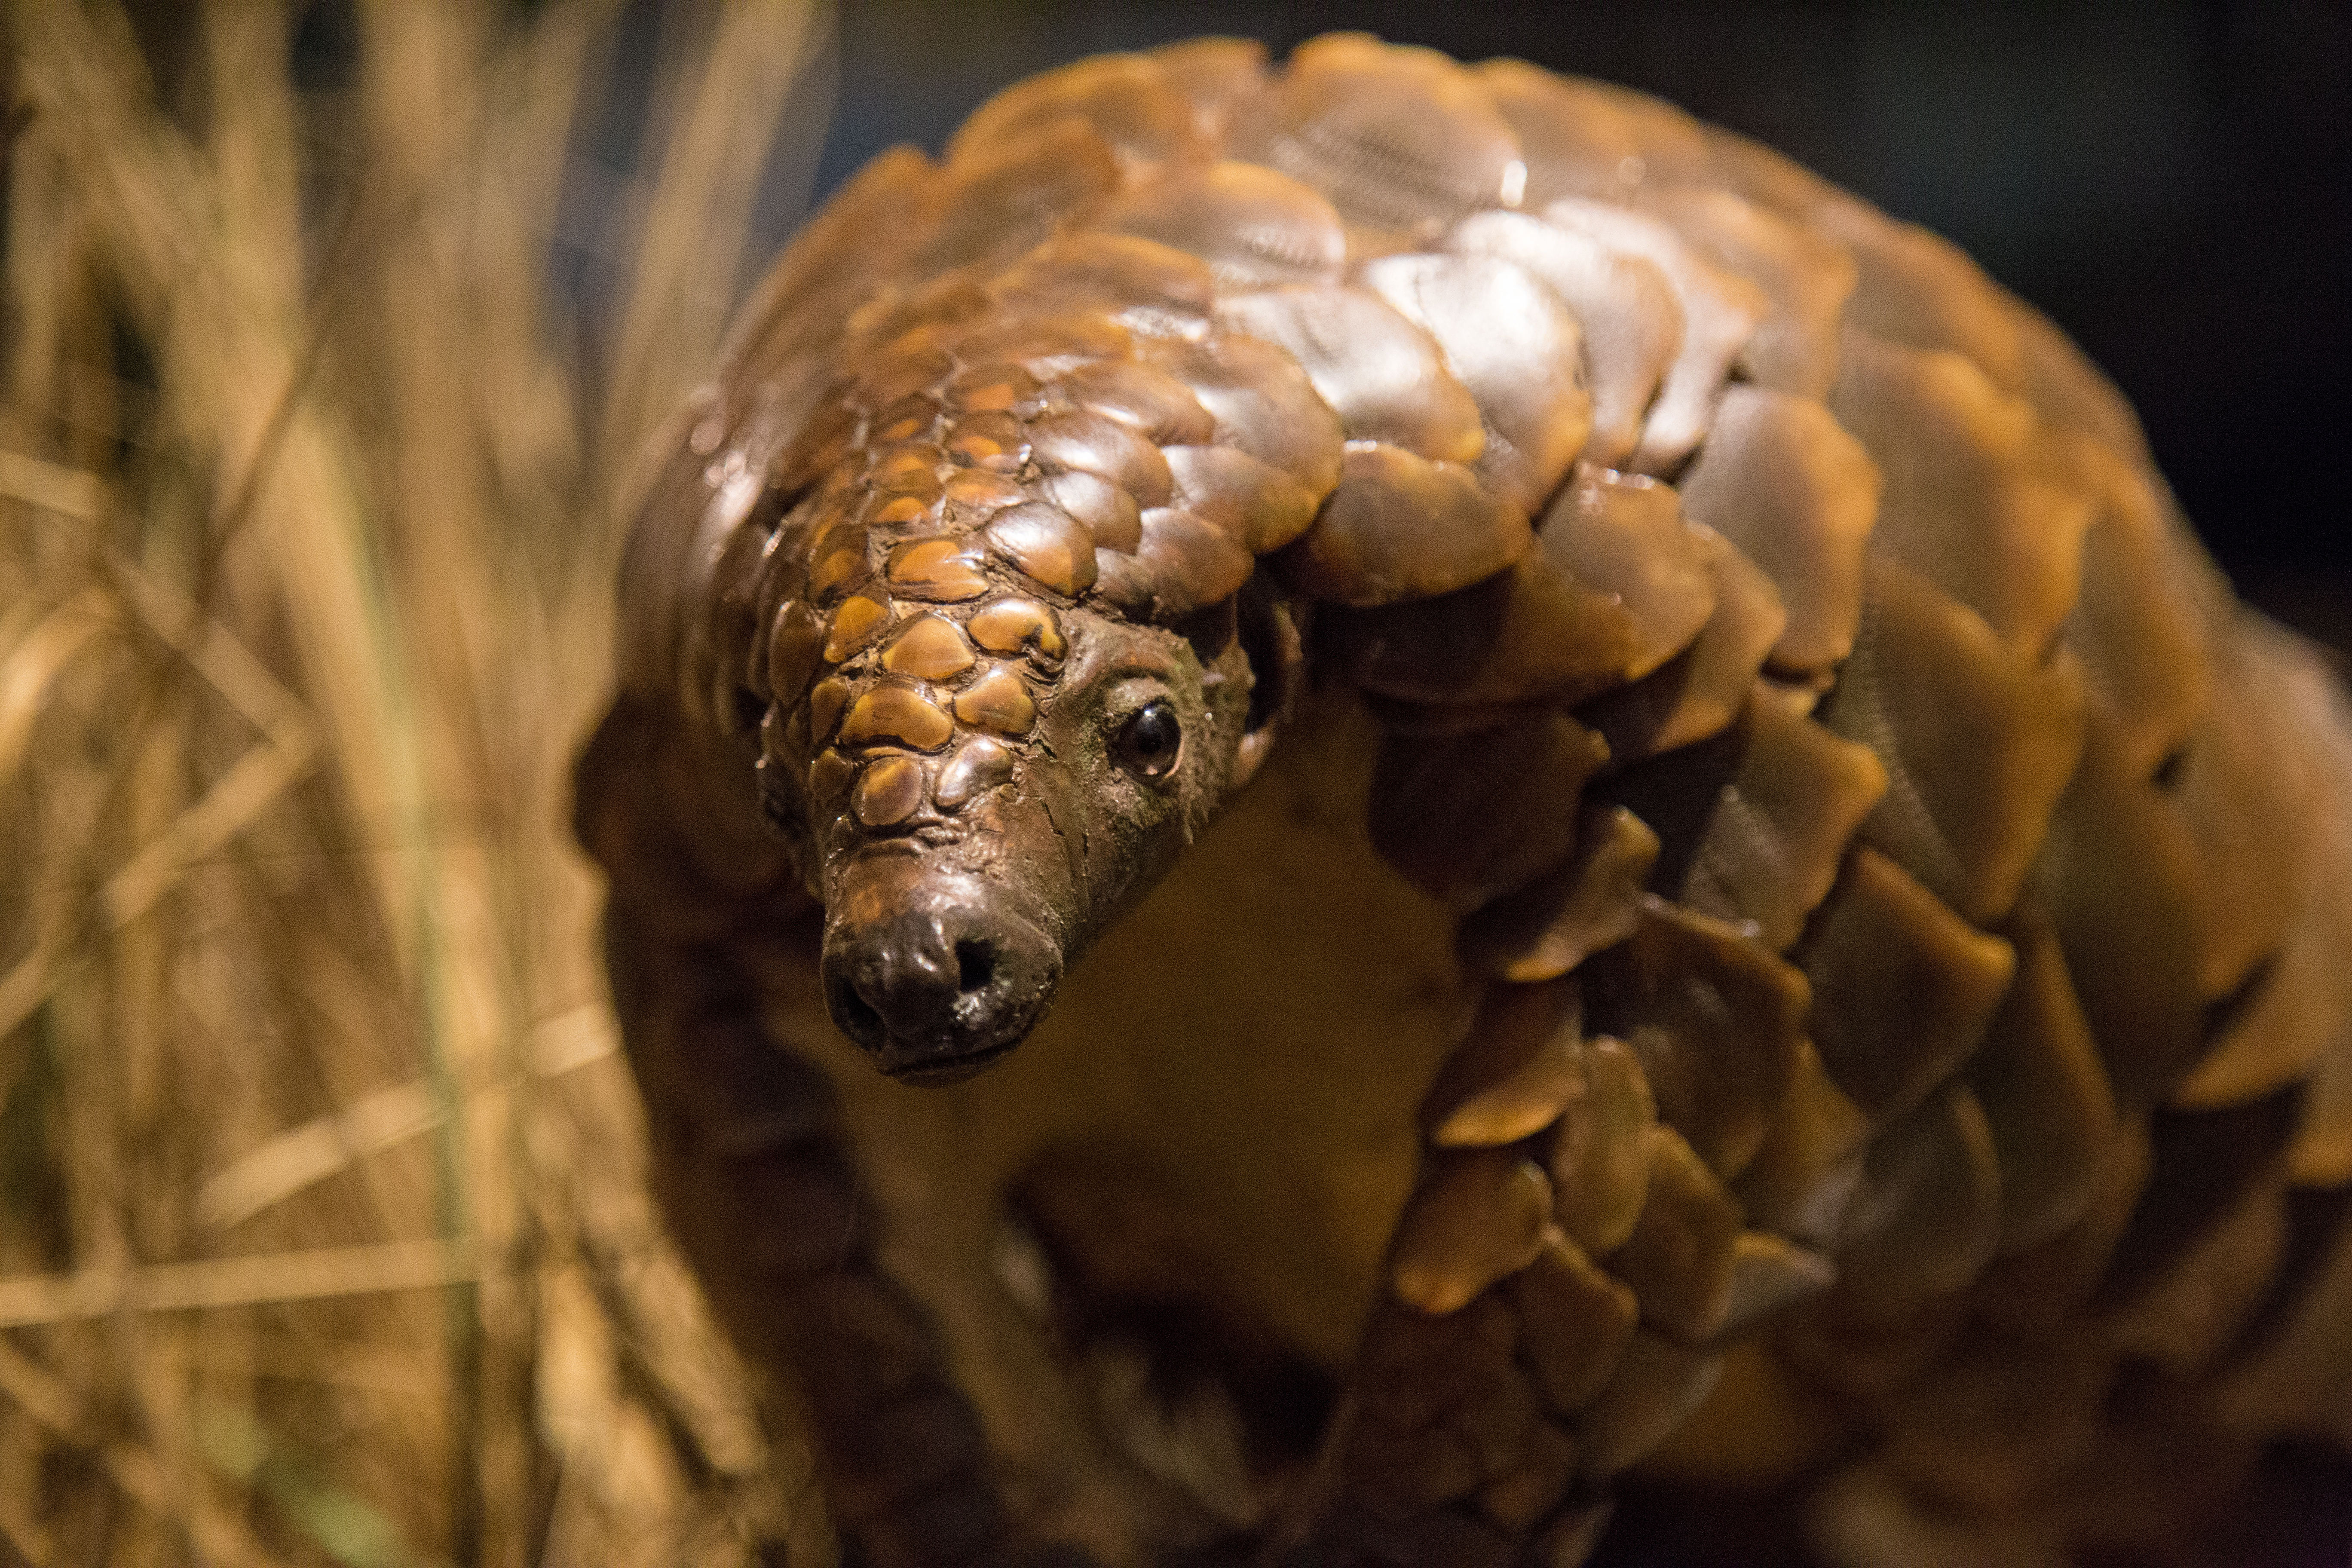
(975, 965)
(856, 1017)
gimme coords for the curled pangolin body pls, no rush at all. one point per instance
(1907, 903)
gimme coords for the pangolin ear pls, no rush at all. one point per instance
(1270, 641)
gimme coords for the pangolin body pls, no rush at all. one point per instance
(1788, 931)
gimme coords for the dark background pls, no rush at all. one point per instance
(2172, 183)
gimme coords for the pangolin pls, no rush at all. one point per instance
(1784, 932)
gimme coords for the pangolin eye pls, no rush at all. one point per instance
(1149, 742)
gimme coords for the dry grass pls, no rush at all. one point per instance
(322, 1231)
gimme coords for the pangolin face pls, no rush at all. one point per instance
(978, 766)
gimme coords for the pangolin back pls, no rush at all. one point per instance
(1912, 901)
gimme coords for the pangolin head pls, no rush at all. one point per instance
(980, 743)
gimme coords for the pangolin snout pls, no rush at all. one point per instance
(935, 973)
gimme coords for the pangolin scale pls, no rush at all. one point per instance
(1788, 933)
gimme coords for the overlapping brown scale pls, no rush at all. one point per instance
(897, 511)
(1401, 527)
(985, 388)
(1046, 545)
(1253, 225)
(1702, 689)
(1211, 75)
(1097, 444)
(1005, 201)
(741, 530)
(1715, 1020)
(1016, 626)
(923, 314)
(889, 791)
(2043, 1092)
(854, 624)
(1469, 817)
(1261, 402)
(910, 469)
(1655, 1387)
(1783, 481)
(1976, 499)
(2140, 626)
(795, 640)
(841, 561)
(990, 441)
(2036, 1291)
(998, 700)
(820, 448)
(1590, 138)
(1624, 535)
(1127, 100)
(1770, 1274)
(1514, 346)
(859, 237)
(1047, 346)
(980, 764)
(895, 713)
(910, 419)
(1183, 564)
(2187, 1320)
(1574, 1319)
(780, 578)
(1630, 322)
(1980, 739)
(1720, 311)
(928, 647)
(2294, 1376)
(1511, 1077)
(2302, 1008)
(1556, 924)
(2320, 1158)
(1807, 276)
(1397, 139)
(1154, 404)
(2235, 784)
(1765, 176)
(945, 570)
(829, 775)
(1927, 1217)
(1998, 1417)
(1535, 632)
(916, 361)
(1107, 513)
(2126, 886)
(1903, 988)
(1773, 846)
(1262, 508)
(1529, 1490)
(1478, 1216)
(1801, 1180)
(1576, 141)
(838, 505)
(1678, 1262)
(1435, 1410)
(1599, 1157)
(1918, 289)
(827, 701)
(2205, 1166)
(975, 493)
(1382, 375)
(1151, 287)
